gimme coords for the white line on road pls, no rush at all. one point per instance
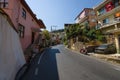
(40, 57)
(117, 69)
(36, 71)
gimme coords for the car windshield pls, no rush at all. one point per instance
(103, 46)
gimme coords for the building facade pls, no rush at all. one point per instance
(24, 20)
(108, 16)
(87, 17)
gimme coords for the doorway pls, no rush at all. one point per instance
(33, 36)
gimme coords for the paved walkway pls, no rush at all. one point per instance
(114, 58)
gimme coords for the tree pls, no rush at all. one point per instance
(85, 33)
(46, 34)
(93, 34)
(99, 35)
(73, 30)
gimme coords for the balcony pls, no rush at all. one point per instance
(3, 4)
(106, 14)
(106, 25)
(82, 20)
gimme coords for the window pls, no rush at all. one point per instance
(24, 13)
(3, 3)
(105, 21)
(101, 11)
(21, 30)
(116, 3)
(93, 20)
(92, 13)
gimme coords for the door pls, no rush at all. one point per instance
(33, 36)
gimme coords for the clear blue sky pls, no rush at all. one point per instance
(58, 12)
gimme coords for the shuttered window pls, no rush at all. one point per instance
(3, 3)
(21, 31)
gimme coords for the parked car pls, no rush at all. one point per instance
(88, 49)
(91, 48)
(106, 48)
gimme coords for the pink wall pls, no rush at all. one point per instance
(28, 23)
(14, 10)
(82, 15)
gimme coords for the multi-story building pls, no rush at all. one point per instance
(87, 17)
(108, 16)
(24, 20)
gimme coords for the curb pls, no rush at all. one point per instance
(111, 61)
(108, 59)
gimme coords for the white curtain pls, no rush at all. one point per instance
(11, 54)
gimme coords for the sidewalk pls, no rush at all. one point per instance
(113, 58)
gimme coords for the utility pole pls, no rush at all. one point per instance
(52, 28)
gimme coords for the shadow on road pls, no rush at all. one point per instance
(48, 66)
(46, 69)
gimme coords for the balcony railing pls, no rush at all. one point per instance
(82, 19)
(106, 14)
(3, 4)
(104, 25)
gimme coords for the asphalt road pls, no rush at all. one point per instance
(59, 63)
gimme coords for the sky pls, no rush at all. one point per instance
(56, 13)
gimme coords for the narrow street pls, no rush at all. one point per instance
(59, 63)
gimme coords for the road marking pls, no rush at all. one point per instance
(36, 71)
(40, 57)
(117, 68)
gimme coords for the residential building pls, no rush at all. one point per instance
(87, 17)
(108, 16)
(24, 20)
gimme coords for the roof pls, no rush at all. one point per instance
(101, 4)
(82, 11)
(40, 23)
(8, 18)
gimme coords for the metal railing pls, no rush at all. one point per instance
(115, 21)
(106, 14)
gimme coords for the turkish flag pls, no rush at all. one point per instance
(109, 6)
